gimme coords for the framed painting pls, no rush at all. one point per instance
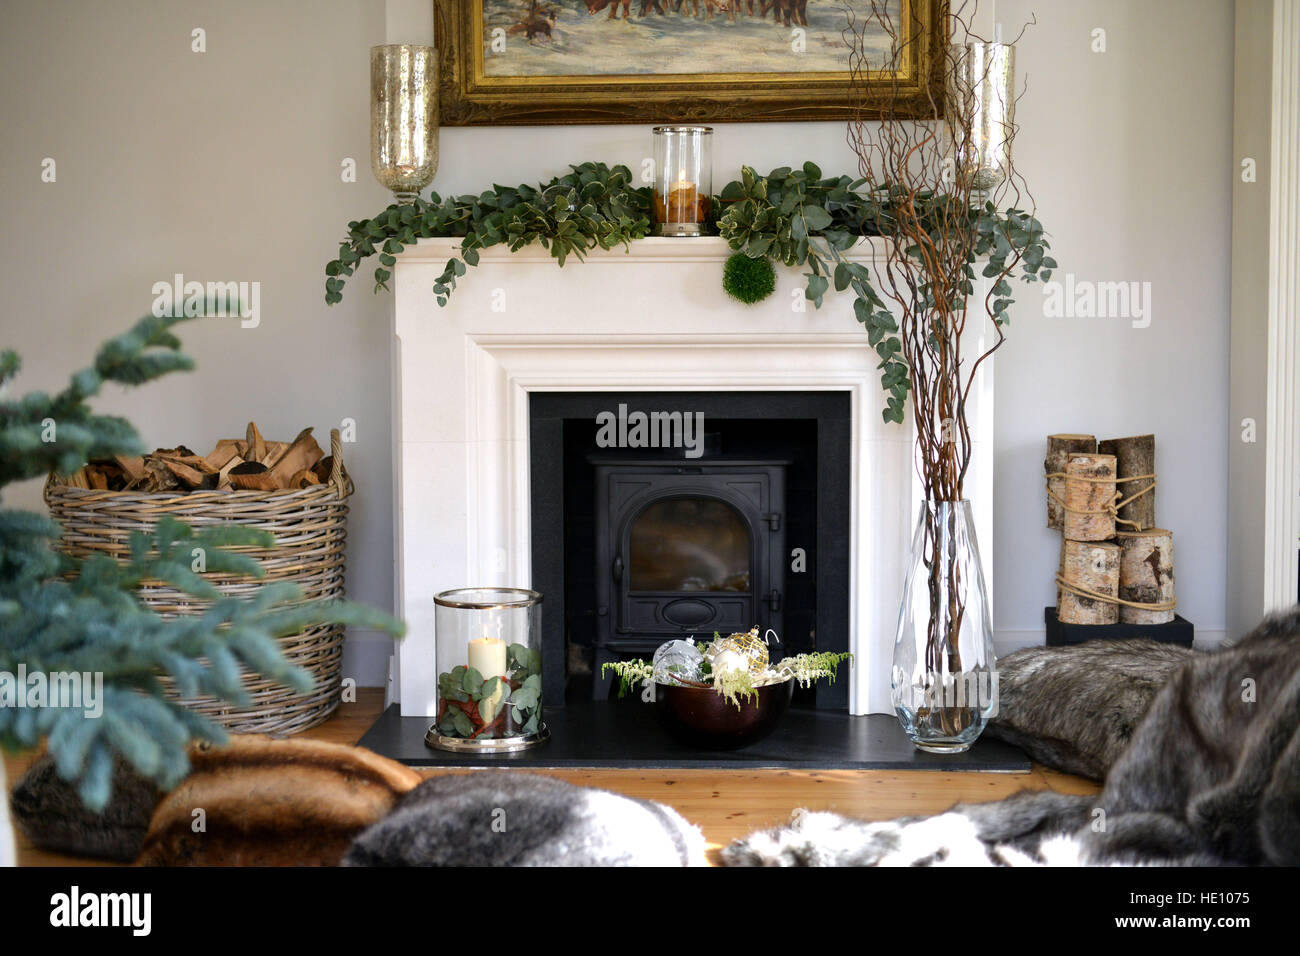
(519, 62)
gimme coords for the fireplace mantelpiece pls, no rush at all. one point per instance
(654, 318)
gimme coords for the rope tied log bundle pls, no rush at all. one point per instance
(1115, 567)
(1113, 507)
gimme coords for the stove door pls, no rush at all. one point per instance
(689, 568)
(690, 549)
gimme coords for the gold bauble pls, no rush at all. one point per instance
(751, 647)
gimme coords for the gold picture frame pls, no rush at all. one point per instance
(476, 92)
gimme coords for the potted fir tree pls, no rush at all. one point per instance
(82, 617)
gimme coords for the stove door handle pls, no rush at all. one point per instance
(618, 567)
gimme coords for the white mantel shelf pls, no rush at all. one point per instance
(650, 249)
(652, 317)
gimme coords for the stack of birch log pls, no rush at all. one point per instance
(1116, 565)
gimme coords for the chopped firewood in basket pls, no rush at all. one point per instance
(131, 466)
(185, 469)
(254, 443)
(251, 463)
(304, 478)
(301, 455)
(252, 476)
(226, 450)
(323, 469)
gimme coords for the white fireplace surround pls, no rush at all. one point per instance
(651, 319)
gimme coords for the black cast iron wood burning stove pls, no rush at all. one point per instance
(685, 549)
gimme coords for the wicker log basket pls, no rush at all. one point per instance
(310, 528)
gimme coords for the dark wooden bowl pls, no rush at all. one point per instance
(701, 717)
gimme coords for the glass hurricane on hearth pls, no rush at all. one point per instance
(489, 659)
(944, 678)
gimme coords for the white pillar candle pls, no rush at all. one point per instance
(487, 655)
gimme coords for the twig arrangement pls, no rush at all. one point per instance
(938, 205)
(931, 214)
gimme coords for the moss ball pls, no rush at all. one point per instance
(748, 280)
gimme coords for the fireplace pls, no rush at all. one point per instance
(636, 546)
(472, 508)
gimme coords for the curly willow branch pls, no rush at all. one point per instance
(928, 213)
(924, 271)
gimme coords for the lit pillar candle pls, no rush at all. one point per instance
(683, 200)
(487, 655)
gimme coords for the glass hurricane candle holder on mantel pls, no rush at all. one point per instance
(981, 113)
(403, 118)
(683, 157)
(489, 653)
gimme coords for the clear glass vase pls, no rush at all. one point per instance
(944, 676)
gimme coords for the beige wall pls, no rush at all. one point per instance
(1129, 156)
(225, 165)
(1253, 78)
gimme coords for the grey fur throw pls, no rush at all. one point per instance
(1211, 777)
(501, 818)
(1075, 708)
(47, 809)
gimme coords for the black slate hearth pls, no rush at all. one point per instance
(624, 734)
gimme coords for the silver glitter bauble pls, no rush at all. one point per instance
(677, 659)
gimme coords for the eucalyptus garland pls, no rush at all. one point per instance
(798, 218)
(792, 216)
(592, 207)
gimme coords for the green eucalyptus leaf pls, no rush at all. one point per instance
(816, 288)
(843, 276)
(816, 218)
(472, 681)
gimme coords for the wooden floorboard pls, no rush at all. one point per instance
(725, 804)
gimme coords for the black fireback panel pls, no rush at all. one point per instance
(811, 430)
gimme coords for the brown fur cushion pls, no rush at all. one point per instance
(268, 802)
(1075, 708)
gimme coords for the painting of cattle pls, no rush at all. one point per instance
(585, 61)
